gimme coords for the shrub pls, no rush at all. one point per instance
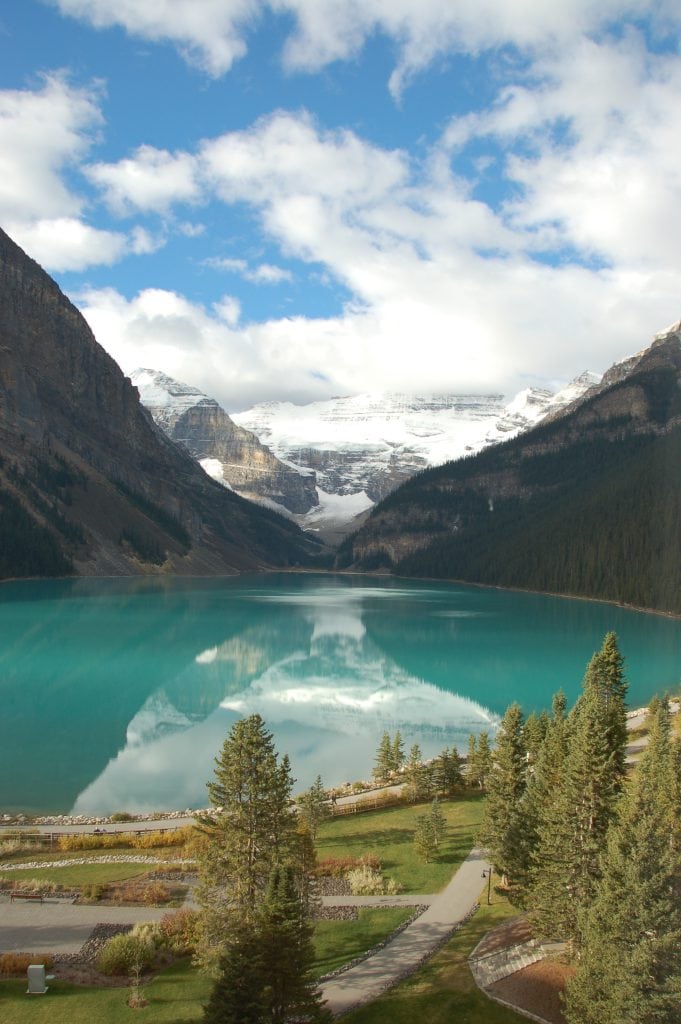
(155, 892)
(35, 885)
(92, 891)
(336, 867)
(148, 931)
(13, 964)
(179, 930)
(367, 881)
(122, 953)
(149, 840)
(83, 841)
(121, 816)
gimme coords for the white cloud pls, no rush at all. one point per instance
(208, 33)
(42, 132)
(151, 179)
(213, 34)
(264, 273)
(65, 243)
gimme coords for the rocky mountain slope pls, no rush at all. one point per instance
(230, 454)
(588, 502)
(362, 447)
(88, 483)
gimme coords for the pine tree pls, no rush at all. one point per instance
(384, 759)
(290, 992)
(534, 733)
(425, 840)
(447, 777)
(237, 994)
(630, 965)
(252, 832)
(265, 971)
(397, 752)
(606, 673)
(416, 776)
(500, 832)
(439, 822)
(313, 806)
(573, 829)
(478, 760)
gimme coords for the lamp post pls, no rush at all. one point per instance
(487, 873)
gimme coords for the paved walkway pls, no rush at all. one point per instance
(411, 947)
(56, 926)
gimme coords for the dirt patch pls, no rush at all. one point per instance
(511, 933)
(536, 988)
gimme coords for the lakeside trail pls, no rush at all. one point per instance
(408, 950)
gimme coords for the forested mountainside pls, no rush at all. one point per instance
(89, 485)
(588, 504)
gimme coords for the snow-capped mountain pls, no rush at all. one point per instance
(327, 463)
(229, 453)
(362, 447)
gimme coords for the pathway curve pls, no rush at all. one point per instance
(411, 947)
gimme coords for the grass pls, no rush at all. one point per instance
(338, 942)
(176, 995)
(167, 854)
(389, 835)
(443, 990)
(79, 874)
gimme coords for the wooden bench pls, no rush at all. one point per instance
(18, 895)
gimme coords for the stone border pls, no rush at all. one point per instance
(419, 909)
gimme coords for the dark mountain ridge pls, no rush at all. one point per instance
(89, 485)
(587, 503)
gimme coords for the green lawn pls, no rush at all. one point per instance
(176, 994)
(79, 874)
(175, 997)
(389, 835)
(338, 942)
(443, 990)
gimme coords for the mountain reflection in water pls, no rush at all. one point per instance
(118, 694)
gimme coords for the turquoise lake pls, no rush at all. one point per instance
(117, 694)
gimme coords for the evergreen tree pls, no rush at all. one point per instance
(290, 992)
(501, 826)
(439, 822)
(425, 840)
(630, 965)
(574, 825)
(543, 785)
(237, 994)
(384, 759)
(252, 832)
(265, 972)
(313, 806)
(606, 673)
(416, 776)
(447, 777)
(397, 752)
(478, 760)
(534, 733)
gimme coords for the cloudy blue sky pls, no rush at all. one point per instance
(304, 198)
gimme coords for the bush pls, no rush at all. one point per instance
(180, 930)
(92, 891)
(176, 837)
(155, 892)
(83, 841)
(15, 964)
(123, 952)
(367, 881)
(336, 867)
(148, 931)
(121, 816)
